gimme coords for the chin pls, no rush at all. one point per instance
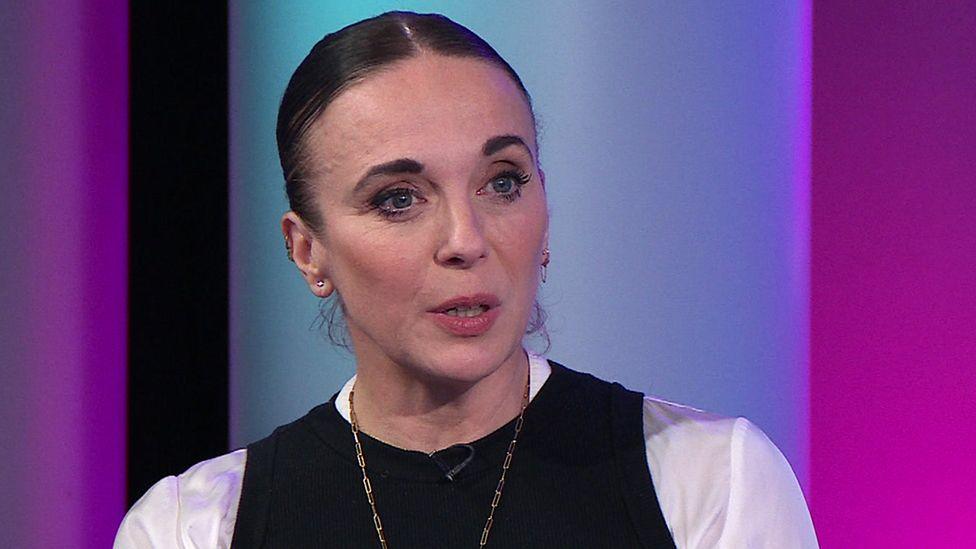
(430, 354)
(467, 364)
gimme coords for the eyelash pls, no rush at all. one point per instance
(377, 202)
(519, 178)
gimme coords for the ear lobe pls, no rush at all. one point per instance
(307, 253)
(323, 288)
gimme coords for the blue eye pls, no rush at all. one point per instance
(394, 202)
(503, 185)
(399, 200)
(507, 185)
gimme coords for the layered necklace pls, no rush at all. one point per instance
(495, 500)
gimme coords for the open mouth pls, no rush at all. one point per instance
(466, 311)
(467, 316)
(468, 306)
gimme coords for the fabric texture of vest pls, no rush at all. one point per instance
(579, 478)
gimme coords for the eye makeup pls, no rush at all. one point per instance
(394, 202)
(507, 184)
(398, 200)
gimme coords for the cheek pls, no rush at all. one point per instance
(519, 241)
(376, 271)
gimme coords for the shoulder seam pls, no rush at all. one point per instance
(658, 400)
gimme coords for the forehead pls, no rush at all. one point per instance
(429, 105)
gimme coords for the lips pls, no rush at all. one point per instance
(467, 316)
(487, 301)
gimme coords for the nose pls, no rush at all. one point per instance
(463, 242)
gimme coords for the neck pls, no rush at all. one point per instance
(419, 412)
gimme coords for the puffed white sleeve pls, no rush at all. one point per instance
(766, 508)
(196, 509)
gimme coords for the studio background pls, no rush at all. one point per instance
(758, 208)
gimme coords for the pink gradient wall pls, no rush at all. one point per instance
(63, 263)
(893, 364)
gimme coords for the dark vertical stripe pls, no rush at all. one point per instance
(633, 474)
(178, 366)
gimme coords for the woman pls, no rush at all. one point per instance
(411, 165)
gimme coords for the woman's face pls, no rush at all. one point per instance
(434, 215)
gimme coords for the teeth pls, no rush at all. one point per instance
(466, 311)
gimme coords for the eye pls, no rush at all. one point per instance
(394, 202)
(399, 200)
(503, 185)
(506, 185)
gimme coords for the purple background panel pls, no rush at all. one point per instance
(62, 417)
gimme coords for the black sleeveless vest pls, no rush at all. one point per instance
(578, 478)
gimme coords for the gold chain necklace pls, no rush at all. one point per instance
(498, 489)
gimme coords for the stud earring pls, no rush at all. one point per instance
(320, 283)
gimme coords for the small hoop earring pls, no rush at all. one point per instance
(545, 264)
(288, 249)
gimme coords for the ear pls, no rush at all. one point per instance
(308, 254)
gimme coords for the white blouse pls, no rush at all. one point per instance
(719, 481)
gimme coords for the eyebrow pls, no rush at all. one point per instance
(400, 165)
(409, 165)
(500, 142)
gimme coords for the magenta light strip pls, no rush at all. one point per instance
(894, 274)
